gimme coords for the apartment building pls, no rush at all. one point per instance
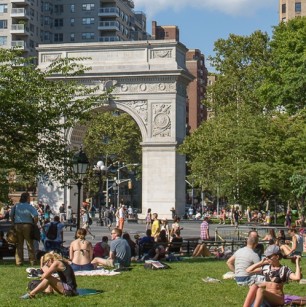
(289, 9)
(196, 112)
(196, 90)
(26, 23)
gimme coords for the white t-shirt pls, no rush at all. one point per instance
(244, 257)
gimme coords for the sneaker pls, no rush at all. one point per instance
(26, 296)
(34, 273)
(29, 270)
(92, 237)
(39, 272)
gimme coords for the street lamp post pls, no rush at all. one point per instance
(118, 179)
(100, 168)
(80, 163)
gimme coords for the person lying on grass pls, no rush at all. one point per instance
(66, 284)
(275, 275)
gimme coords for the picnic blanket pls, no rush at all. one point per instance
(294, 300)
(98, 272)
(83, 292)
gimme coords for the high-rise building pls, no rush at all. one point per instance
(289, 9)
(26, 23)
(195, 62)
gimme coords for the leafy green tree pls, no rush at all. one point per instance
(284, 81)
(111, 137)
(255, 143)
(36, 112)
(116, 134)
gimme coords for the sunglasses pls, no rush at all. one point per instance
(269, 257)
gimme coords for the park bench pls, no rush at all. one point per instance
(7, 250)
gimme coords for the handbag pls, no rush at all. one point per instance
(35, 234)
(11, 235)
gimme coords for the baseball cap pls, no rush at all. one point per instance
(272, 250)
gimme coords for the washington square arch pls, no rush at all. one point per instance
(150, 80)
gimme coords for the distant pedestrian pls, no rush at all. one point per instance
(62, 212)
(205, 229)
(148, 219)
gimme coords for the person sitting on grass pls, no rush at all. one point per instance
(101, 249)
(201, 250)
(81, 252)
(120, 252)
(65, 285)
(158, 252)
(133, 246)
(176, 243)
(276, 275)
(296, 247)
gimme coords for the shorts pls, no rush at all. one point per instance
(68, 291)
(249, 280)
(242, 280)
(83, 267)
(295, 253)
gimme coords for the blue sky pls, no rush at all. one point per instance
(202, 22)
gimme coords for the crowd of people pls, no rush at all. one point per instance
(260, 270)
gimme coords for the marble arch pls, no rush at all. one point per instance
(150, 80)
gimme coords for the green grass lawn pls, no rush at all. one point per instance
(181, 285)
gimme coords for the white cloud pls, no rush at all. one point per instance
(230, 7)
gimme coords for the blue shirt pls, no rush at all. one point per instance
(60, 228)
(23, 213)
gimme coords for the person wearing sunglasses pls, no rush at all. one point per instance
(119, 254)
(276, 275)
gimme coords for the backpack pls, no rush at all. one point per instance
(52, 231)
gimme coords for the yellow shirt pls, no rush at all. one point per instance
(155, 228)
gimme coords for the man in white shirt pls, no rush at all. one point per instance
(242, 259)
(121, 216)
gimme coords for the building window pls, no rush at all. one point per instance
(72, 37)
(298, 7)
(72, 8)
(47, 36)
(283, 8)
(88, 21)
(3, 8)
(3, 40)
(58, 37)
(3, 24)
(47, 21)
(58, 8)
(72, 20)
(88, 35)
(88, 7)
(58, 22)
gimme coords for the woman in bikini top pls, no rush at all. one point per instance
(81, 252)
(276, 275)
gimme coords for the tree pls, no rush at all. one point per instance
(111, 137)
(36, 111)
(284, 81)
(253, 145)
(113, 134)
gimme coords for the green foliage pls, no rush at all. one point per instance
(110, 133)
(32, 132)
(285, 77)
(256, 141)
